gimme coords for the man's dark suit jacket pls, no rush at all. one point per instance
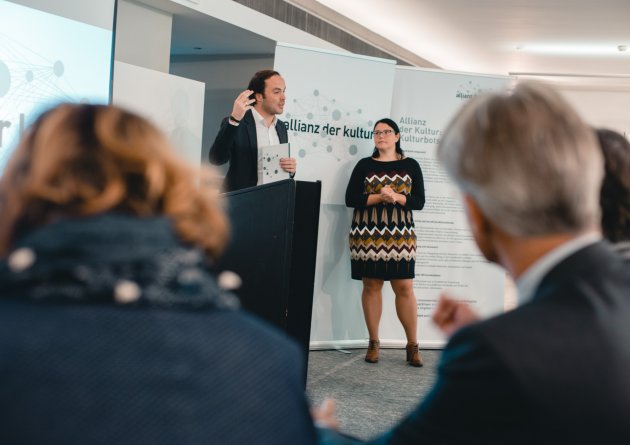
(239, 146)
(554, 371)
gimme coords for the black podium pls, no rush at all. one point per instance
(273, 247)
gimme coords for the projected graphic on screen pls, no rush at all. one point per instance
(46, 59)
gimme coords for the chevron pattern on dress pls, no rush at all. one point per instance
(374, 244)
(399, 183)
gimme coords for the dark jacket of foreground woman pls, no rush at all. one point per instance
(112, 331)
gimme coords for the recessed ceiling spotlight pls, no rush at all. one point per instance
(622, 48)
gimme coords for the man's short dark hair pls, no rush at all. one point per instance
(257, 83)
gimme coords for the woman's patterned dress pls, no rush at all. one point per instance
(382, 236)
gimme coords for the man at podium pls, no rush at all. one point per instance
(253, 124)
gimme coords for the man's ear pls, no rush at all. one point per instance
(481, 228)
(476, 219)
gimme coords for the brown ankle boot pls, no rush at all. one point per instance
(371, 356)
(413, 355)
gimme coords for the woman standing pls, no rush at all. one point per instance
(384, 189)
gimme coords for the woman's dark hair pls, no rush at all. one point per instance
(615, 193)
(394, 126)
(257, 83)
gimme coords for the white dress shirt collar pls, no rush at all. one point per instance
(261, 120)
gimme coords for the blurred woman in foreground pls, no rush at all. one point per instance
(112, 328)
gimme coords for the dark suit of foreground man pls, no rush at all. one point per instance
(555, 370)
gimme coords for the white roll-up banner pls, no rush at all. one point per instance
(333, 100)
(447, 258)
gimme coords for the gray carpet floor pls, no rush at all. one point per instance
(370, 398)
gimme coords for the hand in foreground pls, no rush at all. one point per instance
(289, 165)
(242, 103)
(450, 315)
(324, 415)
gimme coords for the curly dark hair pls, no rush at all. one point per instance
(615, 193)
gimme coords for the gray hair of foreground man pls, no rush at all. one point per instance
(527, 159)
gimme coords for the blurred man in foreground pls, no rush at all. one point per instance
(553, 370)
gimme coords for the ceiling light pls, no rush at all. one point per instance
(571, 49)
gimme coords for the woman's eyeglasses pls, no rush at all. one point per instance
(384, 132)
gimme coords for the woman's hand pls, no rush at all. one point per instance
(388, 195)
(391, 197)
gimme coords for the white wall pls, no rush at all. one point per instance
(177, 110)
(602, 108)
(143, 36)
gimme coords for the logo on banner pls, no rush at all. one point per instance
(469, 90)
(327, 127)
